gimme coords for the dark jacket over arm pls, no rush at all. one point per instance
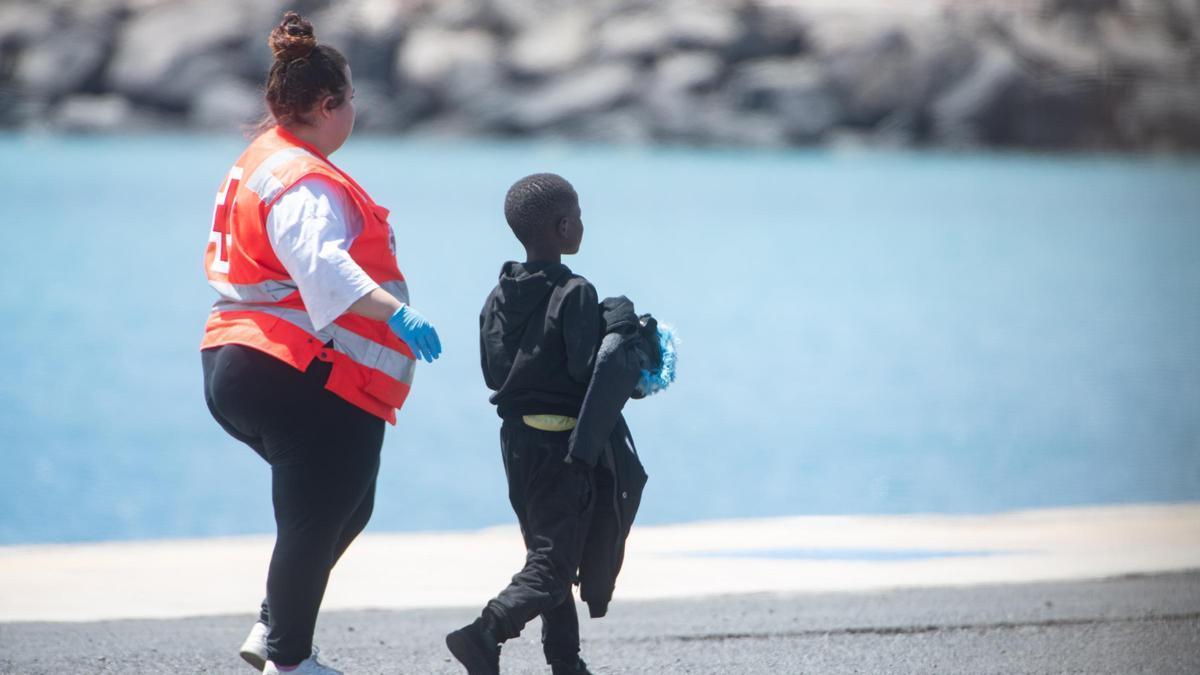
(601, 437)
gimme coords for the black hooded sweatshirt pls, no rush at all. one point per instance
(538, 334)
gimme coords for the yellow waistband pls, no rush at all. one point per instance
(549, 422)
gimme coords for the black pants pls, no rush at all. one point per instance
(324, 457)
(553, 501)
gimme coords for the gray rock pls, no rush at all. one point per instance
(22, 23)
(678, 116)
(1067, 74)
(22, 112)
(367, 32)
(963, 113)
(168, 53)
(681, 86)
(1184, 21)
(634, 36)
(381, 108)
(1034, 86)
(646, 34)
(1058, 113)
(943, 58)
(595, 89)
(447, 124)
(688, 72)
(795, 91)
(1162, 116)
(510, 17)
(877, 78)
(228, 104)
(458, 15)
(723, 126)
(435, 57)
(456, 73)
(624, 125)
(1054, 48)
(940, 60)
(385, 19)
(552, 45)
(1138, 51)
(501, 17)
(1078, 6)
(99, 114)
(65, 60)
(769, 31)
(86, 9)
(714, 27)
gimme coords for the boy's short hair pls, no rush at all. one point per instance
(536, 201)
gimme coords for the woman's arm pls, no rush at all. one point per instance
(404, 321)
(311, 228)
(378, 305)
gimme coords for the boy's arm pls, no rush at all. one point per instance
(483, 360)
(581, 331)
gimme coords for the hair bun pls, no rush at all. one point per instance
(292, 39)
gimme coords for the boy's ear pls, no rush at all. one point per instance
(562, 227)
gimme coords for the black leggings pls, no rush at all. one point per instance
(324, 457)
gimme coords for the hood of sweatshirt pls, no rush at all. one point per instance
(523, 288)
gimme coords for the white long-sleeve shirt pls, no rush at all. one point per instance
(311, 227)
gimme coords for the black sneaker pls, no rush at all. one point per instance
(577, 668)
(475, 648)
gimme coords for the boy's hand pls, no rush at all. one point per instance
(417, 332)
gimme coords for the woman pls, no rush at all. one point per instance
(312, 343)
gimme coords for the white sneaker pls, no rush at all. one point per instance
(254, 649)
(308, 666)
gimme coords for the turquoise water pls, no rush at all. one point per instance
(880, 333)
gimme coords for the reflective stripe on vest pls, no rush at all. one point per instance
(269, 291)
(272, 291)
(366, 352)
(263, 181)
(398, 289)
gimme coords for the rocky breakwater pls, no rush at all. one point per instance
(1063, 74)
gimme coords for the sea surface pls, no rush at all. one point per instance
(862, 332)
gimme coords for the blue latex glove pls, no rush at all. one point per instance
(417, 332)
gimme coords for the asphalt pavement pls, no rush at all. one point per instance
(1119, 626)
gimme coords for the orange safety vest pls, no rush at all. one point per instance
(260, 305)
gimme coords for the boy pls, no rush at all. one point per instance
(539, 332)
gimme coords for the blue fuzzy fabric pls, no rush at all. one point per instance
(653, 382)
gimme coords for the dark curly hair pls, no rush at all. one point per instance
(304, 72)
(536, 202)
